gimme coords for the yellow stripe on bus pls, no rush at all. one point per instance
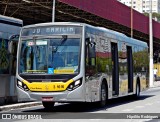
(47, 86)
(64, 71)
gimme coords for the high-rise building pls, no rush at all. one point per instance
(143, 6)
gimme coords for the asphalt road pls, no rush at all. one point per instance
(147, 106)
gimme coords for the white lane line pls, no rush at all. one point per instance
(95, 119)
(139, 106)
(157, 102)
(149, 104)
(127, 110)
(29, 107)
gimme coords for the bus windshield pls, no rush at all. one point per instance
(50, 56)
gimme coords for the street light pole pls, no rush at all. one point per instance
(53, 11)
(150, 47)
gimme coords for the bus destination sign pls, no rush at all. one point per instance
(54, 30)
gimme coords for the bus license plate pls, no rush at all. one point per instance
(47, 98)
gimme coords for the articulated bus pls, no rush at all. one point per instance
(77, 62)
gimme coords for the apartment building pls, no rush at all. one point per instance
(143, 6)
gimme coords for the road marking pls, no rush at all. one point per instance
(95, 119)
(149, 104)
(139, 106)
(127, 110)
(29, 107)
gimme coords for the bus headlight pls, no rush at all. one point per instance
(21, 85)
(75, 85)
(77, 82)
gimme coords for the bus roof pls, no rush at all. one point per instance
(10, 19)
(54, 23)
(122, 36)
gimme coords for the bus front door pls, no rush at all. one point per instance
(115, 71)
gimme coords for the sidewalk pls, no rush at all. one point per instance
(156, 83)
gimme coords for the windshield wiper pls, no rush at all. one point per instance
(63, 40)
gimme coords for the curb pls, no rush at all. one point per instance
(19, 105)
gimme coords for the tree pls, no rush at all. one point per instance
(146, 14)
(154, 16)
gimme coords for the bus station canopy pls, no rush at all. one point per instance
(105, 13)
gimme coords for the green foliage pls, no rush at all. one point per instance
(154, 15)
(146, 14)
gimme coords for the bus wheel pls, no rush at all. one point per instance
(104, 95)
(137, 94)
(48, 105)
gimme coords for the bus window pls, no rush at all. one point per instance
(90, 57)
(51, 56)
(91, 50)
(4, 56)
(13, 44)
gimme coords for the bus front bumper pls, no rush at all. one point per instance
(65, 96)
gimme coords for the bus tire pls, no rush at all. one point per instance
(137, 94)
(103, 95)
(48, 105)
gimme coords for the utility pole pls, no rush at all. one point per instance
(150, 47)
(53, 11)
(131, 18)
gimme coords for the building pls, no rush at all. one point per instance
(143, 6)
